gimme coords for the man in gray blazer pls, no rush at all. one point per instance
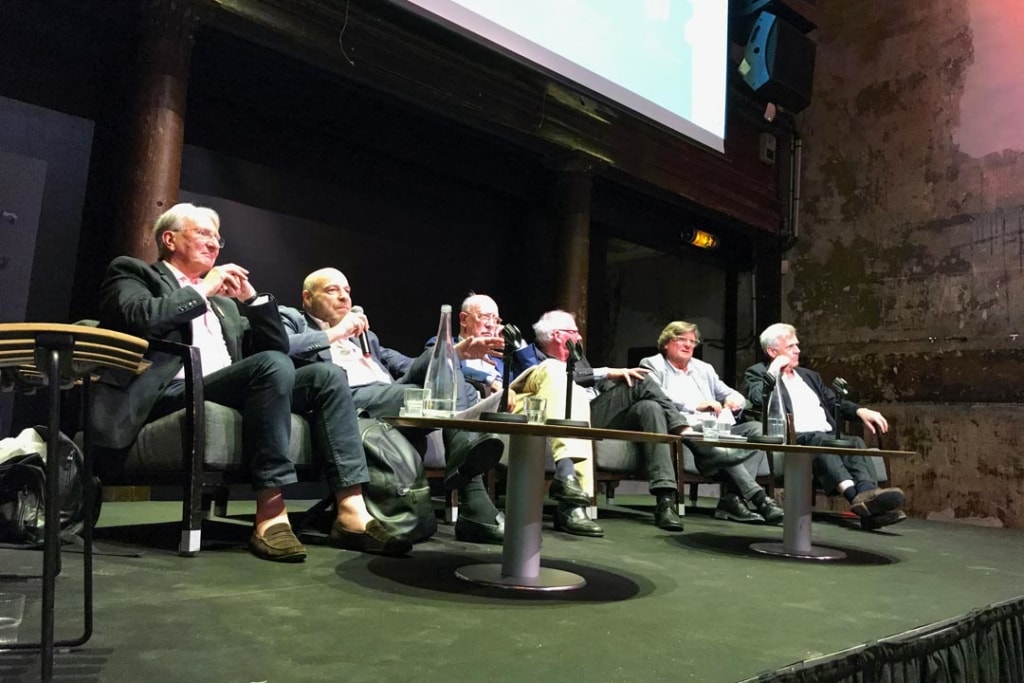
(185, 297)
(696, 389)
(328, 330)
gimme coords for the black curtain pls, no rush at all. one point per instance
(983, 646)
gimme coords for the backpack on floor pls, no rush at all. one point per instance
(23, 494)
(398, 494)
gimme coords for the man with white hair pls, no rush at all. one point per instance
(186, 297)
(612, 398)
(479, 322)
(812, 405)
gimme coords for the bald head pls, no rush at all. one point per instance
(326, 295)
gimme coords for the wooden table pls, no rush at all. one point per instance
(57, 356)
(520, 567)
(798, 478)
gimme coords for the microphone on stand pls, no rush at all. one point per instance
(364, 341)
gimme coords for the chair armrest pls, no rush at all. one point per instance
(193, 441)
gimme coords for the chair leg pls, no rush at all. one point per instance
(694, 490)
(609, 491)
(220, 501)
(451, 507)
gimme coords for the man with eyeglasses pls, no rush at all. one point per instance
(611, 398)
(696, 389)
(479, 323)
(186, 297)
(328, 330)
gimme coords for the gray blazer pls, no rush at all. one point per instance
(704, 375)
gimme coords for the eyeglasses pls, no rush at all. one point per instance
(208, 236)
(489, 318)
(568, 331)
(685, 341)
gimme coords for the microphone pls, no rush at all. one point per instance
(364, 341)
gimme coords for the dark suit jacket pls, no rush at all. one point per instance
(306, 341)
(145, 300)
(759, 385)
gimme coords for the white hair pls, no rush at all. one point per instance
(774, 332)
(175, 218)
(544, 329)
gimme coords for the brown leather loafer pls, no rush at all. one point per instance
(876, 501)
(278, 544)
(375, 539)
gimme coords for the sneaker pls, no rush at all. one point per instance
(733, 508)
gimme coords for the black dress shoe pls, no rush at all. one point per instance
(375, 539)
(568, 490)
(875, 522)
(471, 458)
(277, 544)
(573, 519)
(771, 511)
(666, 515)
(472, 531)
(734, 509)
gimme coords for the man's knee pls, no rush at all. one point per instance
(650, 415)
(275, 365)
(322, 376)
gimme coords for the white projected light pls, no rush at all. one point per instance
(664, 59)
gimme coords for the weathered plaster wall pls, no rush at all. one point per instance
(908, 274)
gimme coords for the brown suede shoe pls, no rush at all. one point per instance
(877, 501)
(278, 544)
(375, 539)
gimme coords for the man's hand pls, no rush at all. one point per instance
(709, 407)
(477, 348)
(351, 325)
(778, 365)
(735, 402)
(873, 419)
(627, 375)
(229, 280)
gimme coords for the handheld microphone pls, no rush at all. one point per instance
(364, 341)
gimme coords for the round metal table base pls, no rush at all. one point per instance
(547, 580)
(813, 553)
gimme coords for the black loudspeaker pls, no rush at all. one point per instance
(743, 14)
(778, 63)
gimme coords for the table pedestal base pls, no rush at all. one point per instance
(547, 579)
(813, 552)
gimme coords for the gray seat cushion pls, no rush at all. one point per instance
(158, 448)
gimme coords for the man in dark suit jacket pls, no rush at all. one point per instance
(186, 298)
(329, 330)
(619, 398)
(812, 405)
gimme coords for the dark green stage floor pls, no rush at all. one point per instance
(658, 606)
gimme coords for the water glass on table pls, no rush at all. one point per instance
(415, 400)
(12, 609)
(709, 425)
(536, 409)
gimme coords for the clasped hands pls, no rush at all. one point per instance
(228, 280)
